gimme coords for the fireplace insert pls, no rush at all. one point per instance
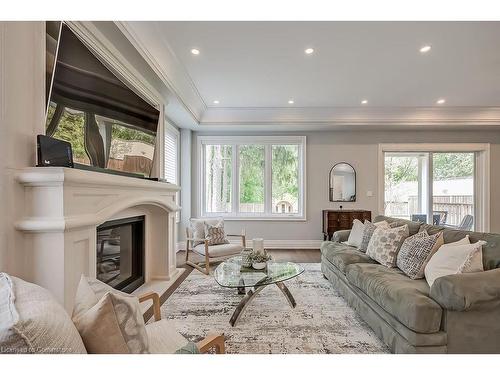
(120, 253)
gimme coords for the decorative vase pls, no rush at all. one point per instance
(259, 265)
(245, 258)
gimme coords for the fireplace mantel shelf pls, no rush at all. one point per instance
(57, 176)
(64, 206)
(81, 186)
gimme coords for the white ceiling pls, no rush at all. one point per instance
(254, 68)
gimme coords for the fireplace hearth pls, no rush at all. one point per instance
(120, 253)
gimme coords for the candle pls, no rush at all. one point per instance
(258, 245)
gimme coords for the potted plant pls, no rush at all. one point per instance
(259, 259)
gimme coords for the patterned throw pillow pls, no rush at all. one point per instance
(385, 244)
(198, 227)
(368, 232)
(215, 234)
(416, 252)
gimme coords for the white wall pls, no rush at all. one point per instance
(360, 149)
(22, 76)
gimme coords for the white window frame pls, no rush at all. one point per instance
(481, 177)
(268, 142)
(170, 129)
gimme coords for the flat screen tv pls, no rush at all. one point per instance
(109, 126)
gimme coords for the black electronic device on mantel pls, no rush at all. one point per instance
(52, 152)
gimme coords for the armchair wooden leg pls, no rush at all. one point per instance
(207, 259)
(215, 342)
(187, 251)
(199, 268)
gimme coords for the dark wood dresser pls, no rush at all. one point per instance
(334, 220)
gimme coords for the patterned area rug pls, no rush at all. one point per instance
(322, 322)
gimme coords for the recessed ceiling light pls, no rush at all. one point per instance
(425, 49)
(291, 101)
(364, 101)
(216, 102)
(441, 101)
(195, 51)
(308, 51)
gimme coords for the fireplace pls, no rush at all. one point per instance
(120, 253)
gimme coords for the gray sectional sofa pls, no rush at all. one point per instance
(459, 314)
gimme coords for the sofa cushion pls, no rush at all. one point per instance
(164, 338)
(413, 226)
(31, 320)
(342, 255)
(406, 299)
(222, 250)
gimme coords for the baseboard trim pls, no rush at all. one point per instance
(275, 244)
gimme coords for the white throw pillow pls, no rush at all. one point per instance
(356, 235)
(455, 258)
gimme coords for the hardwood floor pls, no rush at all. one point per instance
(290, 255)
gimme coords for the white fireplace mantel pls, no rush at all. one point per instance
(63, 207)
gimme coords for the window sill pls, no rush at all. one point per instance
(256, 218)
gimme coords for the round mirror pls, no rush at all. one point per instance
(342, 183)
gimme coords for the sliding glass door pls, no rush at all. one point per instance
(453, 189)
(406, 178)
(435, 187)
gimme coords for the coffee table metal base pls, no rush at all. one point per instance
(250, 296)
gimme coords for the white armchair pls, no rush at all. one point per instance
(211, 253)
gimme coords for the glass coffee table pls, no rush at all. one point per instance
(229, 275)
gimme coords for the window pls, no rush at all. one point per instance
(171, 159)
(252, 177)
(442, 184)
(171, 154)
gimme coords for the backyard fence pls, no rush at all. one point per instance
(456, 207)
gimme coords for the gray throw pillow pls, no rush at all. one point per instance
(416, 252)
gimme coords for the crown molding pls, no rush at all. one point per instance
(160, 56)
(354, 116)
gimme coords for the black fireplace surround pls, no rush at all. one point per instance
(120, 253)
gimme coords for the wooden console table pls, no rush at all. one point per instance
(334, 220)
